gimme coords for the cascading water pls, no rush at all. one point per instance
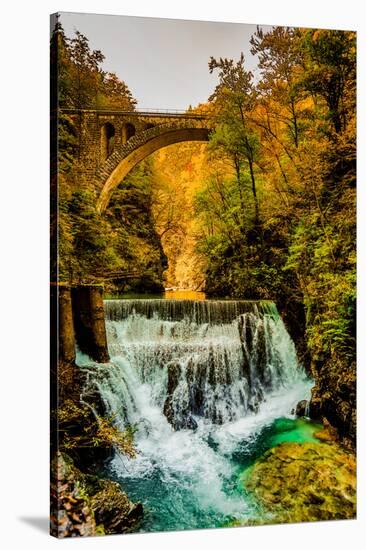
(202, 383)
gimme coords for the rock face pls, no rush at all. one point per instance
(334, 398)
(85, 505)
(71, 514)
(76, 422)
(304, 482)
(178, 417)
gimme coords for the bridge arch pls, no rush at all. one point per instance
(117, 168)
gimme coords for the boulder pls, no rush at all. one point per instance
(179, 419)
(301, 408)
(334, 397)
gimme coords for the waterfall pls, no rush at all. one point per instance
(202, 383)
(194, 311)
(197, 380)
(214, 360)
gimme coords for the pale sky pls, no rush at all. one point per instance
(164, 62)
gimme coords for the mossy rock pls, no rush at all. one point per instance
(87, 505)
(113, 509)
(296, 482)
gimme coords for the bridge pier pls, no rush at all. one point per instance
(63, 369)
(66, 326)
(89, 321)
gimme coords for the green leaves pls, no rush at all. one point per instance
(329, 287)
(291, 141)
(330, 72)
(123, 239)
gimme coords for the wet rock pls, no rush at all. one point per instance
(196, 379)
(328, 433)
(301, 408)
(246, 333)
(179, 421)
(174, 374)
(304, 482)
(256, 399)
(114, 510)
(253, 407)
(179, 417)
(315, 408)
(334, 398)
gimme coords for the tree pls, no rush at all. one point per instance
(330, 72)
(115, 93)
(280, 61)
(299, 120)
(234, 97)
(86, 66)
(80, 79)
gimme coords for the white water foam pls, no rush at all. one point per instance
(229, 364)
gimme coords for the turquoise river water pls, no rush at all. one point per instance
(208, 386)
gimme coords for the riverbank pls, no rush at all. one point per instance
(195, 393)
(297, 482)
(88, 505)
(307, 475)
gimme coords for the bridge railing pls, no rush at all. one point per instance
(150, 112)
(170, 111)
(113, 275)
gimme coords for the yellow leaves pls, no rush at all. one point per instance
(108, 435)
(183, 170)
(94, 431)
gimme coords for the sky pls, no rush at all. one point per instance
(164, 62)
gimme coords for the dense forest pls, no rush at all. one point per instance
(284, 223)
(265, 211)
(273, 199)
(125, 238)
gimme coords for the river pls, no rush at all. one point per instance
(209, 386)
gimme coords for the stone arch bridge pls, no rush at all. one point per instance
(112, 142)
